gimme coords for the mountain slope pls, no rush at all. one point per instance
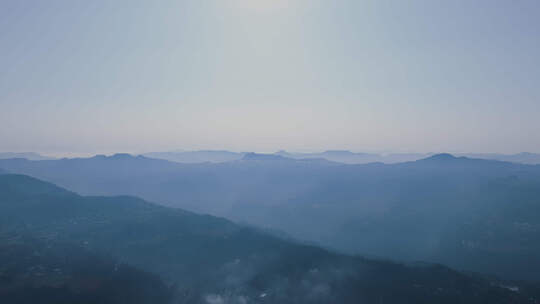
(523, 158)
(32, 272)
(215, 261)
(470, 214)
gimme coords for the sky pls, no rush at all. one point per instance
(263, 75)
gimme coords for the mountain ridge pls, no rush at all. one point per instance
(422, 209)
(342, 156)
(213, 258)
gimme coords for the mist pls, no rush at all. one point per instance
(269, 151)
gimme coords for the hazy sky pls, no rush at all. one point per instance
(133, 76)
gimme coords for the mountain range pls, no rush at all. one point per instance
(59, 247)
(341, 156)
(471, 214)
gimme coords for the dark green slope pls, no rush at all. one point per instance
(212, 260)
(32, 272)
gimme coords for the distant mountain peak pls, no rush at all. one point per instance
(259, 156)
(441, 157)
(122, 155)
(117, 156)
